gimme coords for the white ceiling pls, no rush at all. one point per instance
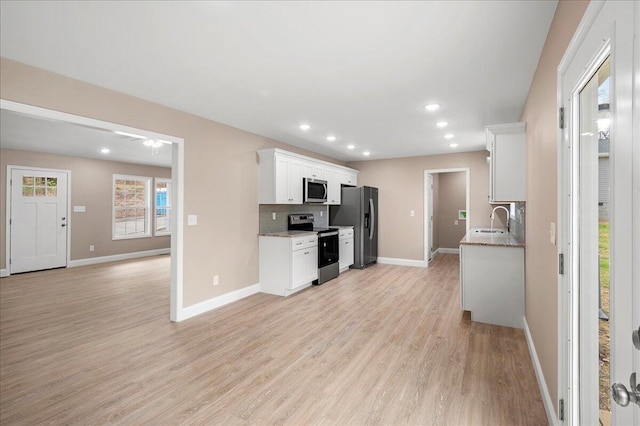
(360, 70)
(21, 131)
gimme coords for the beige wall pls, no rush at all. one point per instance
(401, 189)
(91, 186)
(452, 197)
(220, 171)
(540, 113)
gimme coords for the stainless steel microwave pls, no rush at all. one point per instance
(315, 190)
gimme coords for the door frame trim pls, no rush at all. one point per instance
(564, 390)
(568, 381)
(10, 169)
(425, 226)
(176, 310)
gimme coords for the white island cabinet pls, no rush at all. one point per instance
(287, 264)
(492, 279)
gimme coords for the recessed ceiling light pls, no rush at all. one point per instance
(131, 135)
(351, 146)
(442, 124)
(432, 107)
(305, 126)
(449, 136)
(453, 145)
(331, 138)
(366, 153)
(105, 150)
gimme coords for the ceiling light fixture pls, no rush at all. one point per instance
(449, 136)
(131, 135)
(105, 150)
(305, 126)
(351, 146)
(366, 153)
(431, 107)
(331, 138)
(152, 144)
(453, 145)
(442, 124)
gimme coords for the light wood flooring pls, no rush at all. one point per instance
(387, 345)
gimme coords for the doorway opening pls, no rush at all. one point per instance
(170, 211)
(447, 210)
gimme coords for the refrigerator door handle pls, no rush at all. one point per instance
(373, 219)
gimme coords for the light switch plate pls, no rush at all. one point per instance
(79, 209)
(552, 233)
(412, 213)
(192, 219)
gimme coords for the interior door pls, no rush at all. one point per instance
(597, 95)
(38, 220)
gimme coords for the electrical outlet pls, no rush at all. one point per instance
(92, 248)
(412, 212)
(321, 213)
(216, 280)
(273, 215)
(455, 222)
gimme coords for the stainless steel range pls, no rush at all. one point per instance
(328, 266)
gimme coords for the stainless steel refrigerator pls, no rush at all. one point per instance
(359, 208)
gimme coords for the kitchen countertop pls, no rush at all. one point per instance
(480, 239)
(287, 234)
(341, 227)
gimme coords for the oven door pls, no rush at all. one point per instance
(328, 248)
(315, 190)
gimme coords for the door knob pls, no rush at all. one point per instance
(636, 338)
(622, 396)
(63, 225)
(63, 218)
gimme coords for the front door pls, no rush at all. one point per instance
(38, 220)
(600, 159)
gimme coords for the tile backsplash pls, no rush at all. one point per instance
(282, 211)
(517, 219)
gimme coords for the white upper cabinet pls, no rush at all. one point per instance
(281, 174)
(332, 176)
(280, 179)
(507, 162)
(313, 170)
(349, 178)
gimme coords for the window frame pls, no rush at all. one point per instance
(167, 207)
(147, 231)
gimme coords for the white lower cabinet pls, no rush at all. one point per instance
(287, 265)
(345, 249)
(492, 284)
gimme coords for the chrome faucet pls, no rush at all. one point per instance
(493, 215)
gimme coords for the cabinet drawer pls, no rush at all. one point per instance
(304, 242)
(346, 233)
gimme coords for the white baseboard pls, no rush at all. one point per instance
(116, 257)
(449, 250)
(4, 273)
(549, 406)
(218, 301)
(402, 262)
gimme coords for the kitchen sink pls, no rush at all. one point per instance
(489, 231)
